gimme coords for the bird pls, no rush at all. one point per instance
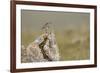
(43, 48)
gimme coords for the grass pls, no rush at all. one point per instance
(73, 44)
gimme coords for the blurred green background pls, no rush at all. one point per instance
(71, 30)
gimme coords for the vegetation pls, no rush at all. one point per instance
(73, 44)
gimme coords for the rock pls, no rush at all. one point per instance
(47, 52)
